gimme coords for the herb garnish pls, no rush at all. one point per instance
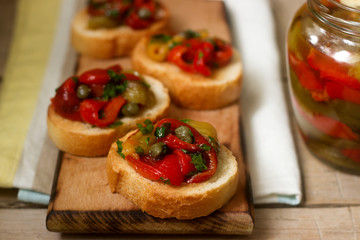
(115, 124)
(198, 162)
(185, 121)
(163, 130)
(205, 147)
(160, 38)
(114, 87)
(139, 150)
(147, 129)
(190, 34)
(120, 148)
(75, 79)
(201, 55)
(165, 180)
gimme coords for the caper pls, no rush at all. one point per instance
(136, 92)
(144, 13)
(101, 22)
(130, 109)
(184, 134)
(157, 150)
(83, 91)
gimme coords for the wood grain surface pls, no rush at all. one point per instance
(81, 200)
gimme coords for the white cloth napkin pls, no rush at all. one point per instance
(270, 149)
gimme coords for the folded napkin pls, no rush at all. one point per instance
(270, 149)
(39, 157)
(28, 56)
(39, 60)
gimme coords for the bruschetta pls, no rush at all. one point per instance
(201, 72)
(90, 111)
(111, 28)
(173, 169)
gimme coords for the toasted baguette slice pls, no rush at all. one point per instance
(189, 90)
(83, 139)
(114, 42)
(187, 201)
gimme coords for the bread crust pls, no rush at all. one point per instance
(189, 90)
(114, 42)
(187, 201)
(83, 139)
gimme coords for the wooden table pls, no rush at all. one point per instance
(330, 209)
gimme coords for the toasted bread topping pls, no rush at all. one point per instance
(193, 52)
(137, 14)
(172, 151)
(101, 96)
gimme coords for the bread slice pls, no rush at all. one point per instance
(114, 42)
(187, 201)
(83, 139)
(189, 90)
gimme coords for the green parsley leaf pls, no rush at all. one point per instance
(147, 129)
(186, 121)
(174, 44)
(120, 148)
(109, 92)
(163, 130)
(113, 13)
(213, 143)
(115, 124)
(147, 140)
(139, 150)
(205, 147)
(188, 34)
(145, 84)
(115, 76)
(75, 79)
(185, 151)
(164, 38)
(165, 180)
(201, 55)
(113, 89)
(198, 162)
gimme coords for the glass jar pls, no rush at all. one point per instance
(323, 62)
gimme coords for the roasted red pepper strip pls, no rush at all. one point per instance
(170, 169)
(200, 64)
(353, 154)
(185, 162)
(89, 110)
(210, 155)
(175, 143)
(166, 169)
(176, 55)
(131, 76)
(135, 22)
(95, 76)
(98, 75)
(339, 91)
(65, 102)
(143, 168)
(331, 70)
(328, 125)
(223, 52)
(305, 74)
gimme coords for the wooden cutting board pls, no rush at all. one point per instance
(81, 200)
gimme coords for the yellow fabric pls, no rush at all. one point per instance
(33, 36)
